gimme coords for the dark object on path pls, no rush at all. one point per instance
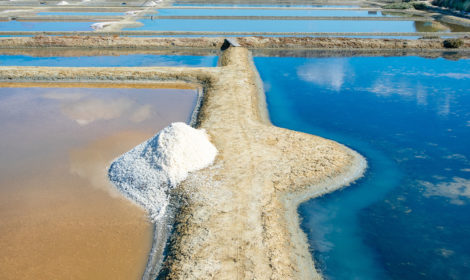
(452, 43)
(229, 43)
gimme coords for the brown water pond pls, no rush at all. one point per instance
(60, 218)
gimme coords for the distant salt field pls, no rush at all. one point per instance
(61, 217)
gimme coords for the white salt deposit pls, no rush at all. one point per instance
(148, 172)
(63, 3)
(101, 25)
(133, 13)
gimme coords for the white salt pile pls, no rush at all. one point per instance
(101, 25)
(148, 172)
(63, 3)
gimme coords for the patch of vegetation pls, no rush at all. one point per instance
(419, 5)
(453, 43)
(406, 4)
(461, 5)
(399, 6)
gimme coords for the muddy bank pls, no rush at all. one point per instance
(117, 42)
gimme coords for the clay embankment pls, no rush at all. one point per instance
(238, 218)
(117, 42)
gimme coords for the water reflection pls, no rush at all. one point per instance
(87, 108)
(428, 26)
(331, 73)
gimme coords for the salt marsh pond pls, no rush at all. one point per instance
(60, 216)
(130, 60)
(409, 116)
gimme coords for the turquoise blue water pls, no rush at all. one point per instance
(276, 25)
(131, 60)
(260, 12)
(409, 217)
(44, 26)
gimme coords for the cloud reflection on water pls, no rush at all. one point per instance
(331, 73)
(456, 190)
(85, 109)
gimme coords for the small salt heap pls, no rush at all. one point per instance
(101, 25)
(148, 172)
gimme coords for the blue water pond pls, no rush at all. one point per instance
(268, 12)
(409, 217)
(45, 26)
(276, 25)
(130, 60)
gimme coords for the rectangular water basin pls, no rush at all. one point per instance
(277, 26)
(128, 60)
(261, 12)
(45, 26)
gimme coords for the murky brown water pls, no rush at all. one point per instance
(60, 218)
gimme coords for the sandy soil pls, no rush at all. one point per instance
(238, 218)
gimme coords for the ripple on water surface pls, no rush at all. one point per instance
(408, 218)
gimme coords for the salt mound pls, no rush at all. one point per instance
(101, 25)
(63, 3)
(148, 172)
